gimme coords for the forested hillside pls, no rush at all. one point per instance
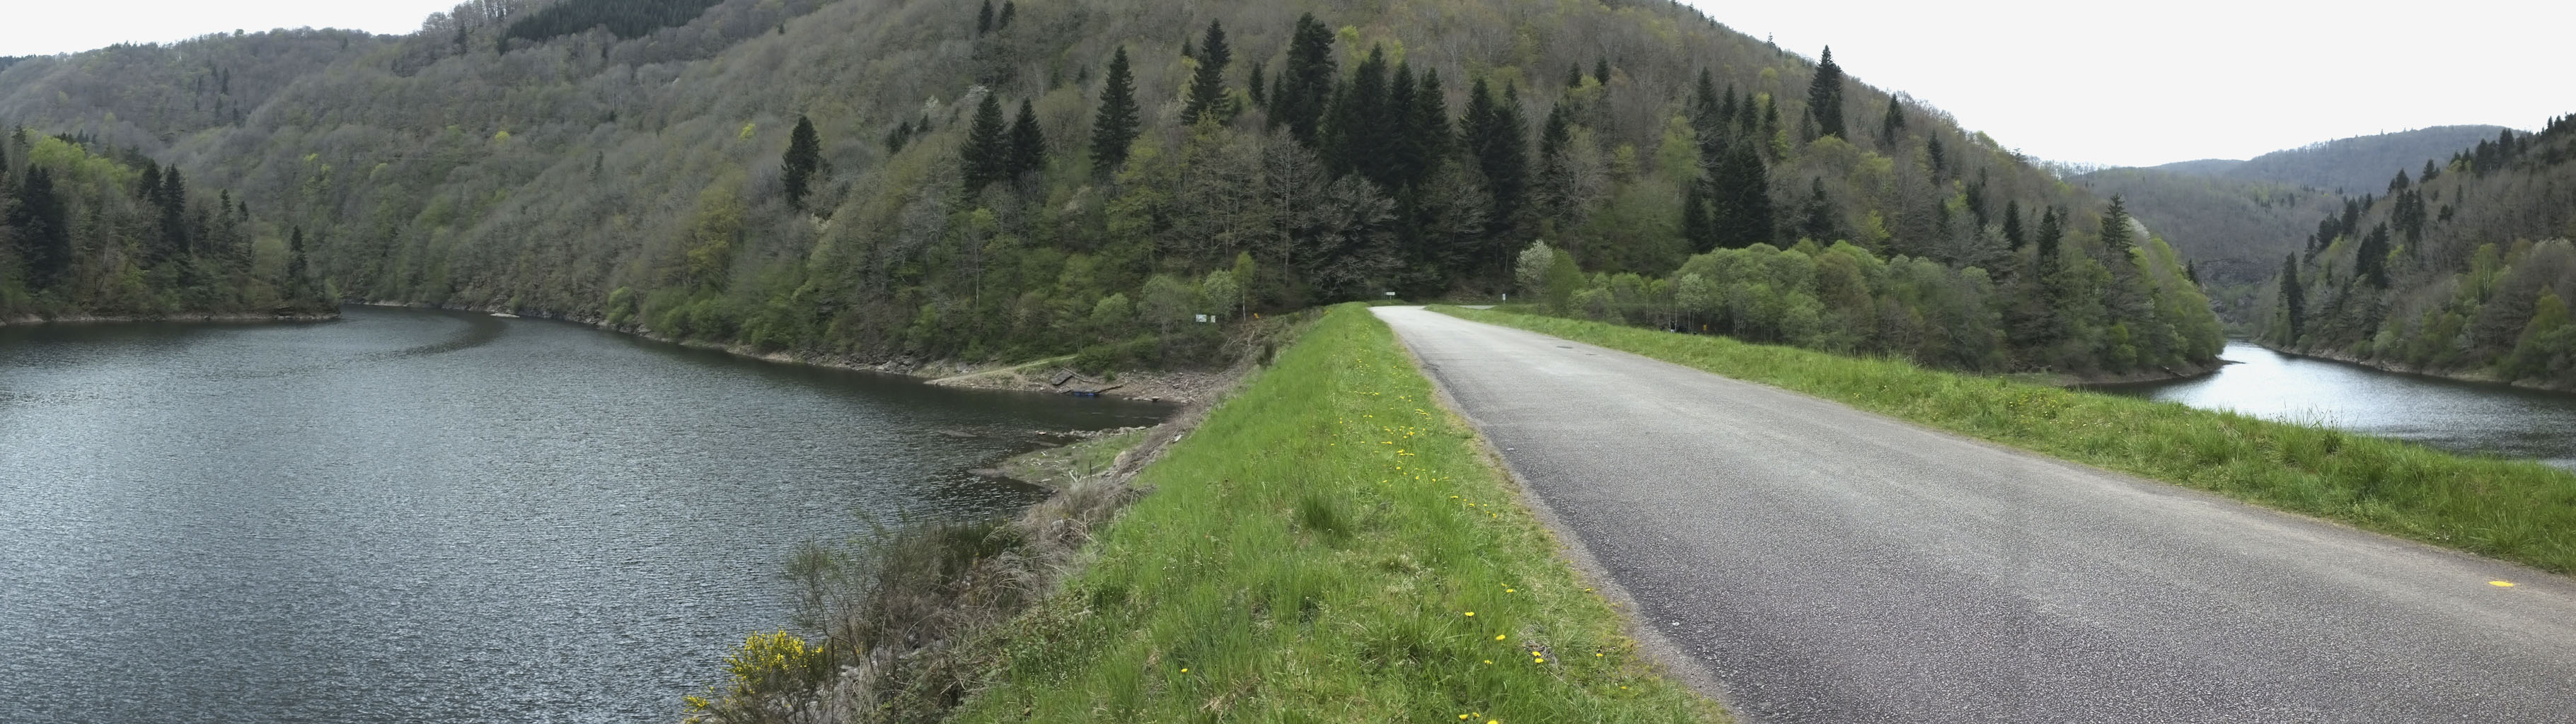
(2463, 267)
(2356, 165)
(89, 234)
(877, 178)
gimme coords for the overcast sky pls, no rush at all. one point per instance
(2126, 84)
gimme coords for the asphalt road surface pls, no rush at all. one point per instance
(1829, 565)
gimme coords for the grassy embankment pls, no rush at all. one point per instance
(2518, 511)
(1327, 546)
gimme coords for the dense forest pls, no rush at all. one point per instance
(89, 233)
(2460, 267)
(2355, 165)
(872, 178)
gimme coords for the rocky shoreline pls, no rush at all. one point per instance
(2480, 376)
(244, 317)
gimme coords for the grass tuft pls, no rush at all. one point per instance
(2513, 510)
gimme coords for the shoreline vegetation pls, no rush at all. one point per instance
(2512, 510)
(241, 317)
(1324, 542)
(2481, 376)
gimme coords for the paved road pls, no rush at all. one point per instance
(1830, 565)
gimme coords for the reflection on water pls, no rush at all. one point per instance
(2468, 417)
(425, 516)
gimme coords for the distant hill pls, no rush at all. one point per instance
(2357, 165)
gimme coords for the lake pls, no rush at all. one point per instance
(412, 515)
(2468, 417)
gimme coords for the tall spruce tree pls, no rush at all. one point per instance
(43, 236)
(2293, 301)
(1357, 129)
(804, 157)
(2116, 238)
(1894, 123)
(984, 19)
(987, 156)
(1306, 83)
(1114, 127)
(1406, 163)
(1819, 224)
(1825, 96)
(1207, 86)
(2371, 258)
(1740, 198)
(1028, 142)
(2013, 236)
(1497, 141)
(1601, 70)
(1257, 89)
(1697, 230)
(1427, 125)
(2052, 232)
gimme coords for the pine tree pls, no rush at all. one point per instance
(1601, 70)
(2052, 231)
(1355, 135)
(1427, 125)
(1554, 139)
(1894, 122)
(1115, 126)
(2371, 259)
(1740, 198)
(1697, 231)
(984, 19)
(2293, 300)
(1706, 115)
(1820, 220)
(297, 286)
(174, 213)
(43, 236)
(1002, 21)
(1306, 83)
(2012, 225)
(804, 157)
(1497, 141)
(1207, 86)
(987, 155)
(1260, 94)
(1405, 158)
(1028, 143)
(1573, 75)
(2116, 238)
(1825, 96)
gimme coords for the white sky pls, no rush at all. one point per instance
(2088, 82)
(2144, 83)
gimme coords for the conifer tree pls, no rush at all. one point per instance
(1002, 21)
(1819, 223)
(174, 214)
(1601, 70)
(2013, 238)
(2371, 259)
(2293, 300)
(1114, 127)
(984, 19)
(1028, 143)
(1305, 84)
(804, 157)
(1696, 229)
(2116, 238)
(1554, 137)
(1497, 141)
(2052, 231)
(1258, 88)
(1825, 96)
(1207, 86)
(1706, 115)
(1428, 127)
(1573, 76)
(1740, 198)
(43, 236)
(1893, 123)
(1357, 129)
(1406, 162)
(987, 156)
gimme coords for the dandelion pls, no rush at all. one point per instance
(1471, 613)
(1498, 637)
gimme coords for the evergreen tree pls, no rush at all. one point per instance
(1820, 220)
(1356, 133)
(984, 19)
(987, 156)
(1406, 159)
(804, 157)
(43, 236)
(1207, 86)
(2052, 231)
(1260, 94)
(2116, 238)
(1427, 128)
(2371, 259)
(1740, 198)
(1498, 142)
(1114, 128)
(1554, 139)
(1002, 21)
(1706, 115)
(1306, 83)
(1028, 143)
(1697, 231)
(2293, 300)
(2012, 225)
(174, 215)
(1825, 96)
(1601, 70)
(297, 285)
(1573, 76)
(1894, 122)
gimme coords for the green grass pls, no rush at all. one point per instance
(1311, 553)
(2518, 511)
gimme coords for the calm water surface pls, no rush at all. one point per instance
(425, 516)
(2468, 417)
